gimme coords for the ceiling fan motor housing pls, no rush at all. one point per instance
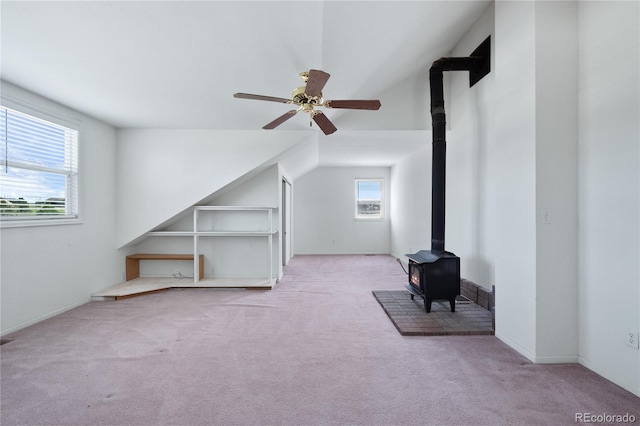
(307, 102)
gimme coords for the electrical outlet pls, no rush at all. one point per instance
(632, 340)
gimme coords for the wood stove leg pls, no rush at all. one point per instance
(452, 302)
(427, 305)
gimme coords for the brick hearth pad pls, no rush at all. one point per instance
(410, 318)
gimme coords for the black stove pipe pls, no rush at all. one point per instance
(439, 144)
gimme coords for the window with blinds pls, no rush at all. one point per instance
(39, 176)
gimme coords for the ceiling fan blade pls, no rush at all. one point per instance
(261, 98)
(323, 122)
(315, 83)
(354, 104)
(278, 121)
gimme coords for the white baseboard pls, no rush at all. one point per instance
(515, 346)
(43, 317)
(559, 359)
(624, 383)
(634, 388)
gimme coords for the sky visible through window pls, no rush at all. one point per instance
(28, 147)
(369, 198)
(369, 190)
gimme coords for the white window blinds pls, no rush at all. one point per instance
(39, 176)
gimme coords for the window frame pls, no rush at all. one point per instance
(56, 119)
(369, 218)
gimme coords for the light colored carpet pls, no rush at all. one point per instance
(316, 350)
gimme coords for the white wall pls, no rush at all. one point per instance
(410, 211)
(609, 188)
(161, 172)
(324, 208)
(471, 173)
(471, 227)
(555, 127)
(263, 190)
(49, 269)
(515, 161)
(225, 257)
(556, 182)
(507, 152)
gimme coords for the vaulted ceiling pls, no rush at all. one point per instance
(176, 64)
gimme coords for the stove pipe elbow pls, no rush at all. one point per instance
(478, 66)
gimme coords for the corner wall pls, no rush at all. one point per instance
(609, 188)
(515, 197)
(556, 182)
(472, 161)
(410, 215)
(471, 223)
(323, 211)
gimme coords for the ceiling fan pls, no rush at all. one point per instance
(308, 97)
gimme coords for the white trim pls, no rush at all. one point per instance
(622, 382)
(40, 113)
(44, 317)
(365, 218)
(22, 223)
(559, 359)
(515, 346)
(61, 120)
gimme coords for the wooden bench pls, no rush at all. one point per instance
(133, 262)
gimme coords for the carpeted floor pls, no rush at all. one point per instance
(316, 350)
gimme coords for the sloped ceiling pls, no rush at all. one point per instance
(176, 64)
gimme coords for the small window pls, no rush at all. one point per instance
(369, 198)
(39, 169)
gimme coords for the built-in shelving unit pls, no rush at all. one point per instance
(266, 230)
(208, 222)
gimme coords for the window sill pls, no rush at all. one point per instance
(38, 222)
(367, 219)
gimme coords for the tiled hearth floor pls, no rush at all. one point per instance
(410, 318)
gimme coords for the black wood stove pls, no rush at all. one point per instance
(435, 274)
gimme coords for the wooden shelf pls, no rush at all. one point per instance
(132, 265)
